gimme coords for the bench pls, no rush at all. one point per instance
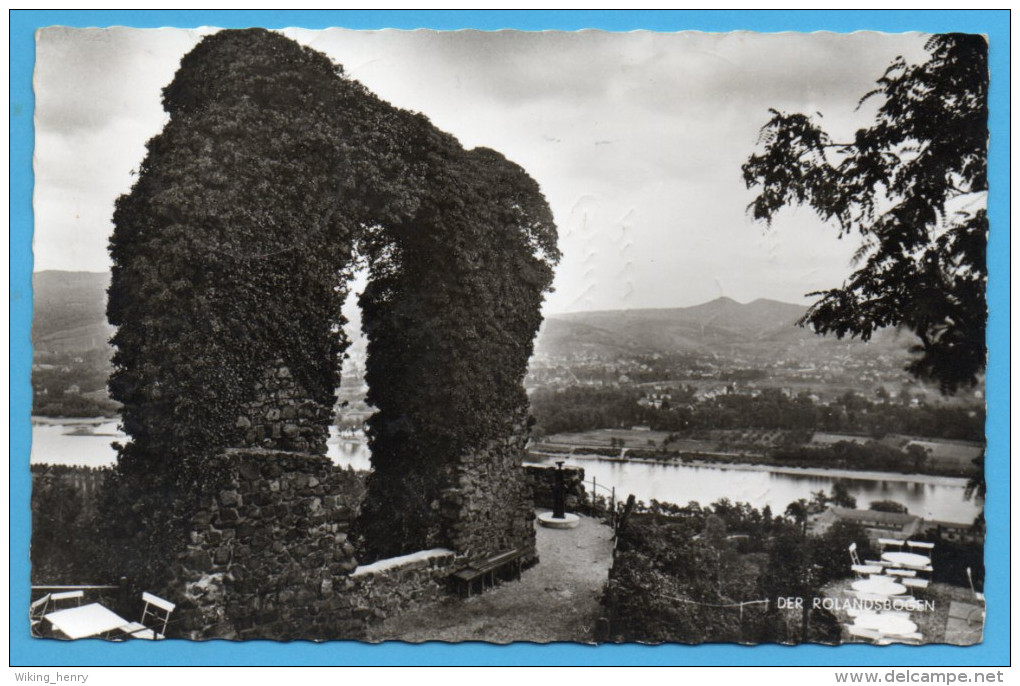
(484, 573)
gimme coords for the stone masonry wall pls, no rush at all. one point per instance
(269, 557)
(268, 554)
(488, 509)
(396, 584)
(542, 480)
(283, 417)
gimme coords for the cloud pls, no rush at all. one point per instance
(636, 139)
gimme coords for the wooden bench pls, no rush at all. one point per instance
(486, 572)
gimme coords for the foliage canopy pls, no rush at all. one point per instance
(914, 186)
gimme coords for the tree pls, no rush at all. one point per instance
(841, 495)
(914, 186)
(888, 506)
(798, 511)
(918, 456)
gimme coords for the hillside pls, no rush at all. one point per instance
(69, 311)
(761, 327)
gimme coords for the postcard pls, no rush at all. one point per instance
(583, 337)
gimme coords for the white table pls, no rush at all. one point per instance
(906, 559)
(879, 587)
(85, 621)
(886, 624)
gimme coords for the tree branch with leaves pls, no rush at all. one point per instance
(914, 187)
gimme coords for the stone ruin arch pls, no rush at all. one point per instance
(275, 177)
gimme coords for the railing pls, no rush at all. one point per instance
(600, 506)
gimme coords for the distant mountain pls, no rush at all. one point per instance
(721, 325)
(70, 315)
(69, 311)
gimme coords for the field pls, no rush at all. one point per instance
(607, 438)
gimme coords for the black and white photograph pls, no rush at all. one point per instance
(507, 336)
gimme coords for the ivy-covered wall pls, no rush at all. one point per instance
(274, 178)
(283, 416)
(268, 556)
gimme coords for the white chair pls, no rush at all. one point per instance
(855, 564)
(159, 610)
(927, 568)
(907, 573)
(865, 570)
(36, 612)
(917, 584)
(981, 612)
(890, 543)
(66, 596)
(970, 579)
(913, 639)
(867, 634)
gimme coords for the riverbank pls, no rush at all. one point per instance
(928, 479)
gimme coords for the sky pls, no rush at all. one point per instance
(636, 140)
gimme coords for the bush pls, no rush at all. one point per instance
(67, 546)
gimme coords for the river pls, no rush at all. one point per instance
(89, 443)
(66, 442)
(938, 498)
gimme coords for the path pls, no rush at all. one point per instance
(556, 600)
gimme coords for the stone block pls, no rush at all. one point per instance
(246, 529)
(249, 471)
(199, 560)
(229, 515)
(230, 499)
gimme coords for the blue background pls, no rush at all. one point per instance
(994, 650)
